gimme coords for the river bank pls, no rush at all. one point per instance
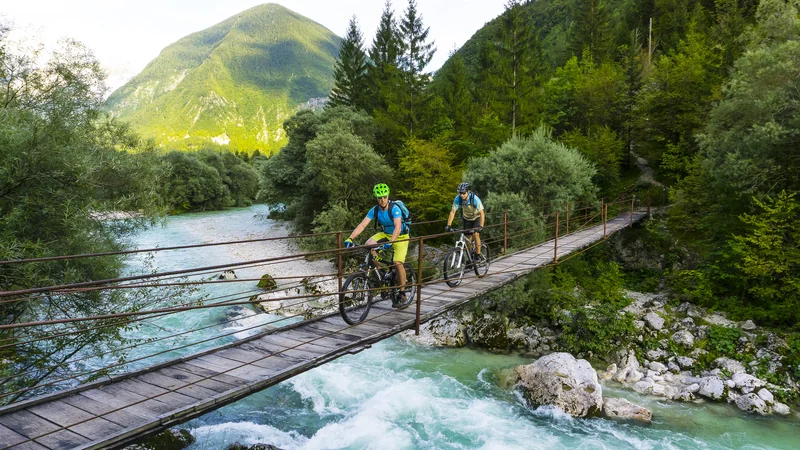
(682, 353)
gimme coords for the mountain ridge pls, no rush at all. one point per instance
(232, 84)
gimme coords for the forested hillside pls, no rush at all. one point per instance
(231, 85)
(703, 92)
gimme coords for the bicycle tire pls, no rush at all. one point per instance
(453, 267)
(481, 267)
(355, 300)
(411, 290)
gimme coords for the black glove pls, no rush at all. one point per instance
(478, 229)
(348, 243)
(449, 229)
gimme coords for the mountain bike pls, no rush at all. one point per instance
(376, 280)
(459, 259)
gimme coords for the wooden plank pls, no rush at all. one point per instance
(10, 437)
(352, 334)
(253, 372)
(60, 413)
(30, 445)
(279, 362)
(122, 399)
(140, 388)
(62, 440)
(28, 424)
(225, 363)
(241, 355)
(197, 380)
(289, 343)
(95, 429)
(173, 400)
(128, 418)
(388, 320)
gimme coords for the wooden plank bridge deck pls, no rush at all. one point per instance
(113, 413)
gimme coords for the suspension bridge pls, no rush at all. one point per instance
(121, 402)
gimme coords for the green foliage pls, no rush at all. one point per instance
(590, 30)
(768, 257)
(65, 168)
(233, 83)
(267, 282)
(721, 341)
(431, 177)
(207, 180)
(350, 71)
(324, 175)
(603, 148)
(544, 172)
(676, 100)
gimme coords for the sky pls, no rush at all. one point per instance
(126, 35)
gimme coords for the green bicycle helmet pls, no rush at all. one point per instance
(381, 190)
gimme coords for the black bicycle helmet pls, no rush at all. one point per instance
(463, 187)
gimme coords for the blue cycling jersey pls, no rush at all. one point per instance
(383, 218)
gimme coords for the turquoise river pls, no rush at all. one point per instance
(399, 395)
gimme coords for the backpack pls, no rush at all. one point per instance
(470, 200)
(404, 213)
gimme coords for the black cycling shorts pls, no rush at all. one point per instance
(470, 224)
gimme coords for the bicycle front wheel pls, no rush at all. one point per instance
(481, 264)
(453, 267)
(355, 299)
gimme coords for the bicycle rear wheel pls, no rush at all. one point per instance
(481, 265)
(411, 290)
(453, 267)
(355, 299)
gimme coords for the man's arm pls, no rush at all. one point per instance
(483, 217)
(398, 226)
(360, 228)
(451, 217)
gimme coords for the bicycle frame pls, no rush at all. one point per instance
(461, 245)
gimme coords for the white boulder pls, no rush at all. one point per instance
(619, 408)
(683, 338)
(654, 321)
(560, 380)
(712, 387)
(752, 403)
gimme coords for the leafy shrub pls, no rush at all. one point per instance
(267, 282)
(722, 340)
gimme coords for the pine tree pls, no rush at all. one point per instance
(417, 53)
(513, 59)
(350, 71)
(457, 97)
(591, 29)
(384, 60)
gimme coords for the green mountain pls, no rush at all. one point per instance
(232, 84)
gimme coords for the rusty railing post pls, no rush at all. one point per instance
(505, 232)
(339, 260)
(648, 204)
(555, 245)
(419, 286)
(567, 219)
(603, 213)
(630, 221)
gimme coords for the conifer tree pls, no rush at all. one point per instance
(591, 29)
(350, 71)
(511, 74)
(417, 53)
(383, 59)
(457, 97)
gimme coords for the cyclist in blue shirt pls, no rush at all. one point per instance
(393, 230)
(472, 214)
